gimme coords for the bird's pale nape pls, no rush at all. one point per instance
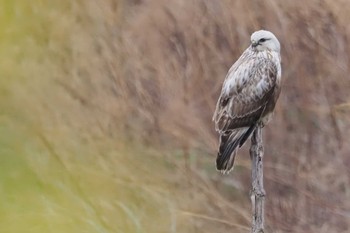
(248, 96)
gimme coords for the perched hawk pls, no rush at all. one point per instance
(248, 96)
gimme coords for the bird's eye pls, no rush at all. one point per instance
(262, 40)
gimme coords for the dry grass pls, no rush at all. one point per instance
(114, 101)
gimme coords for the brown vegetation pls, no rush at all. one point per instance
(145, 75)
(167, 59)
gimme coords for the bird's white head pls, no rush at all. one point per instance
(265, 40)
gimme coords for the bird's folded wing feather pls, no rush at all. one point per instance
(247, 89)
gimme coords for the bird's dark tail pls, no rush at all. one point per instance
(229, 143)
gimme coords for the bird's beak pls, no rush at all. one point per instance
(254, 43)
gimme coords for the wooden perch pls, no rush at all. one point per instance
(257, 194)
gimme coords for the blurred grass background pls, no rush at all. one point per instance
(106, 109)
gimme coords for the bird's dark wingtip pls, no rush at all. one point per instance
(225, 162)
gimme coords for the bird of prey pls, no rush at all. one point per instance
(248, 96)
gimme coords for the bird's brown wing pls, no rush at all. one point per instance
(252, 92)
